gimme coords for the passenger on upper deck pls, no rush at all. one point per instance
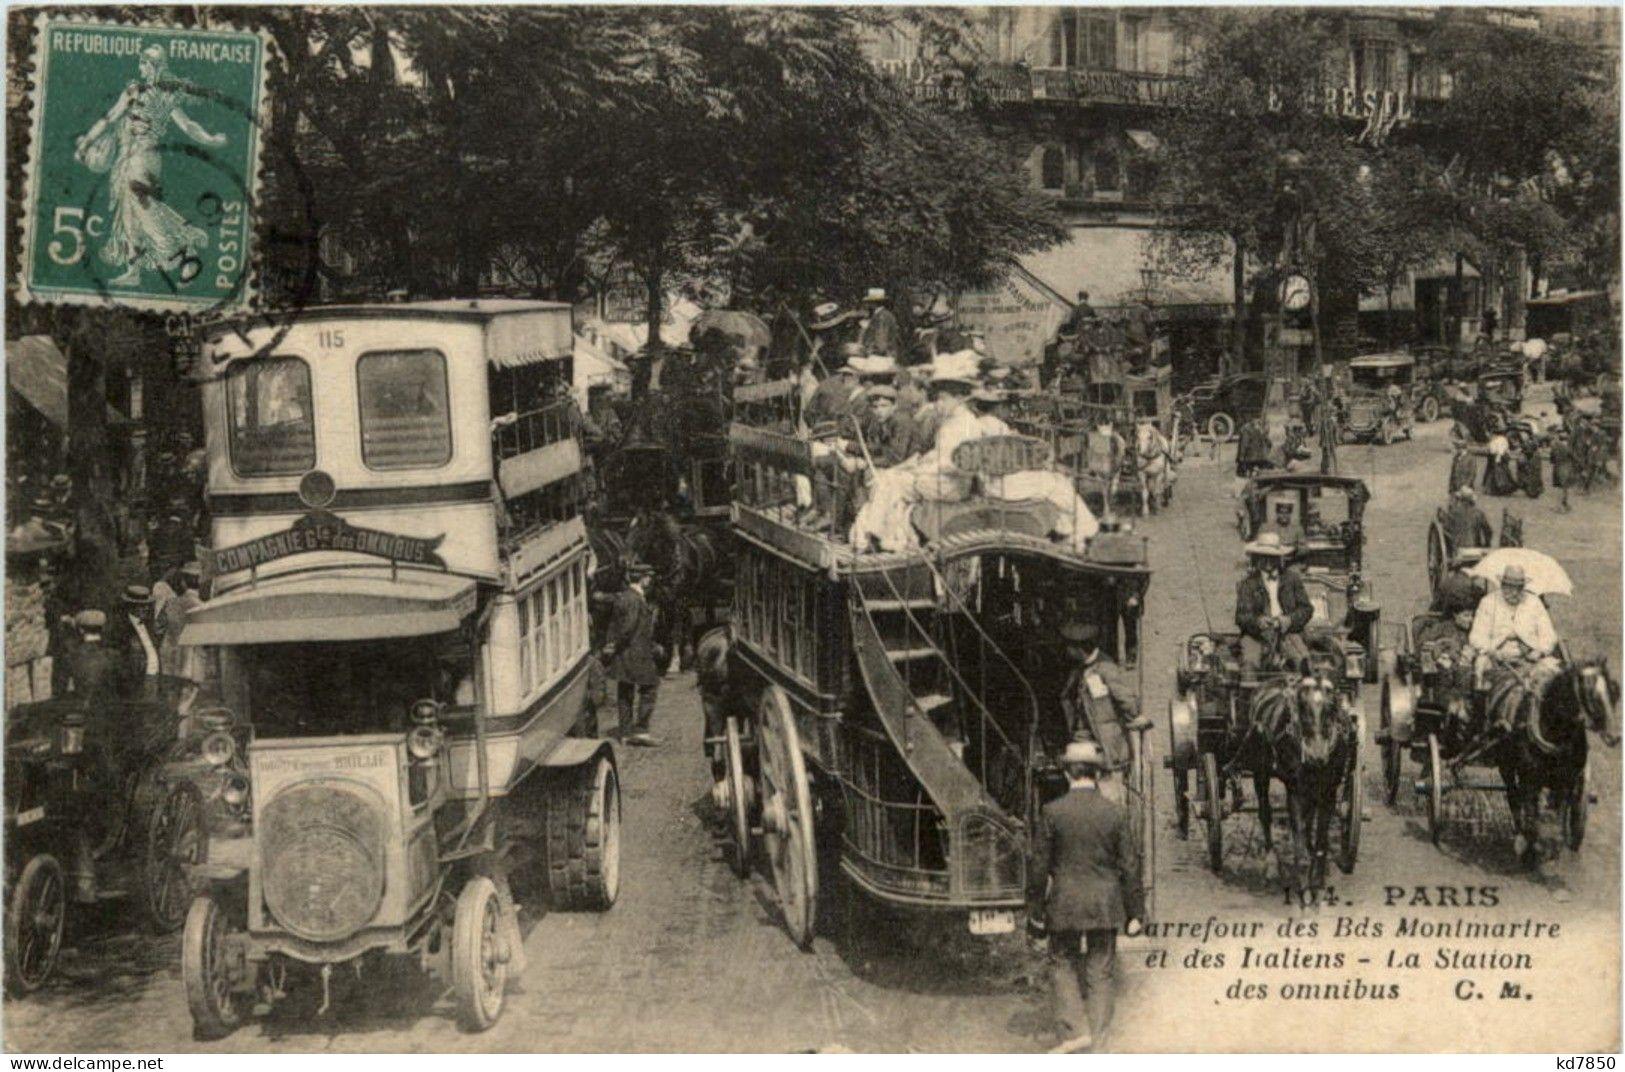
(884, 521)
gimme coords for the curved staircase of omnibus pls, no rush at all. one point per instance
(974, 773)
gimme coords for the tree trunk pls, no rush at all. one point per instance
(1238, 280)
(1388, 317)
(643, 370)
(89, 464)
(1513, 292)
(1457, 303)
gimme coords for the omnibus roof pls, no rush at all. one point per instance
(518, 332)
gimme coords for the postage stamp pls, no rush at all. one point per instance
(143, 166)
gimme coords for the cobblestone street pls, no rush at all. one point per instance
(691, 958)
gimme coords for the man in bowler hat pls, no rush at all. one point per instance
(1083, 886)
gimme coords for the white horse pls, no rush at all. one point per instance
(1156, 462)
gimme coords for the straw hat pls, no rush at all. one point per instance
(1084, 754)
(957, 367)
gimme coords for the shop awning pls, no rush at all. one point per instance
(38, 371)
(333, 606)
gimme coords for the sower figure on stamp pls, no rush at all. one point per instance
(629, 656)
(1083, 884)
(145, 233)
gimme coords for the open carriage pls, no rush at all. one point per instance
(1142, 467)
(399, 576)
(116, 797)
(1215, 736)
(892, 716)
(1432, 713)
(1444, 557)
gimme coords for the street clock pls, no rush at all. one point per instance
(1295, 293)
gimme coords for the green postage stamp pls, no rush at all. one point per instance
(142, 165)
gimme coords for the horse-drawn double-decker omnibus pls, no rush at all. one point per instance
(398, 611)
(894, 714)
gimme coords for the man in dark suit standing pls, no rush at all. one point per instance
(1100, 704)
(1083, 884)
(629, 657)
(1272, 606)
(1464, 523)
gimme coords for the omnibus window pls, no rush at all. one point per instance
(272, 428)
(405, 422)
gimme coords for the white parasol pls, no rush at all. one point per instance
(1542, 575)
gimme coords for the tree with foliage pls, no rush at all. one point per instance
(1255, 97)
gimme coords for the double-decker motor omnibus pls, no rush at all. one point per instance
(398, 615)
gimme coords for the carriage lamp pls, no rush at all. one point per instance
(73, 733)
(218, 748)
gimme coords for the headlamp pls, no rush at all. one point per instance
(235, 791)
(218, 748)
(423, 743)
(425, 713)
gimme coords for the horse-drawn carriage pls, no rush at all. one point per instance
(1143, 458)
(663, 499)
(1372, 411)
(115, 797)
(888, 715)
(1519, 737)
(1227, 723)
(1228, 720)
(1443, 556)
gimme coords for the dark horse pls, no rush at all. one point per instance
(1300, 733)
(685, 563)
(1547, 749)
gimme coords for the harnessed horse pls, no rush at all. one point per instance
(1155, 466)
(1547, 747)
(1299, 733)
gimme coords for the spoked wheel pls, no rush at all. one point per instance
(1430, 409)
(1391, 751)
(479, 957)
(1350, 805)
(1213, 797)
(1436, 556)
(738, 789)
(1435, 789)
(787, 815)
(175, 841)
(36, 913)
(209, 971)
(1576, 808)
(1221, 426)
